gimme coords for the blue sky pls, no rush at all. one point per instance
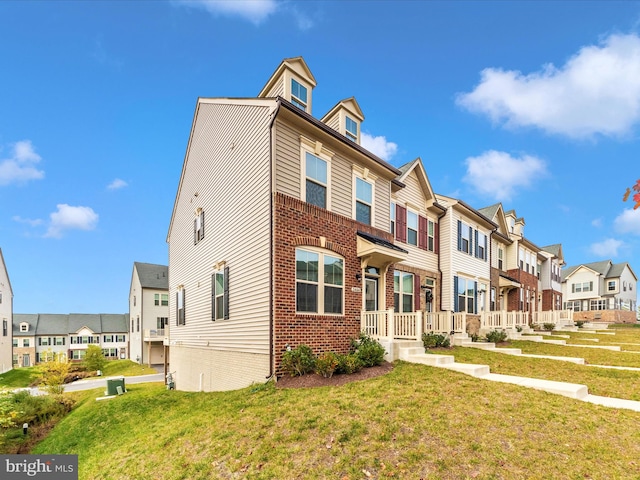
(534, 104)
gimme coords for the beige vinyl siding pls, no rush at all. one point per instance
(382, 219)
(277, 90)
(228, 168)
(6, 346)
(135, 311)
(342, 185)
(512, 256)
(413, 193)
(287, 165)
(334, 122)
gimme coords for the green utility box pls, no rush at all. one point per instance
(113, 384)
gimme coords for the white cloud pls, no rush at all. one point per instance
(597, 91)
(596, 222)
(606, 248)
(117, 184)
(499, 175)
(71, 218)
(20, 166)
(628, 221)
(27, 221)
(256, 11)
(379, 146)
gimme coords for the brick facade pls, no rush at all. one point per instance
(495, 283)
(549, 299)
(526, 280)
(297, 224)
(612, 316)
(423, 275)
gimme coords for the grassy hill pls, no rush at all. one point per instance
(415, 422)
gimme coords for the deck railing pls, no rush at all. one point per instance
(154, 334)
(410, 326)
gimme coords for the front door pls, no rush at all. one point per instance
(371, 294)
(26, 360)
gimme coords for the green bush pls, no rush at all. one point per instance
(326, 364)
(497, 336)
(518, 328)
(549, 326)
(435, 340)
(368, 350)
(94, 359)
(349, 364)
(475, 337)
(579, 323)
(298, 361)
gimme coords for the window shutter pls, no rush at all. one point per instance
(416, 293)
(226, 293)
(475, 297)
(471, 241)
(201, 224)
(422, 232)
(573, 288)
(401, 224)
(177, 312)
(436, 238)
(455, 292)
(476, 245)
(459, 235)
(591, 286)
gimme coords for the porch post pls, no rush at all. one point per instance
(390, 324)
(419, 324)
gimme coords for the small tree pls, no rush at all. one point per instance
(636, 196)
(94, 359)
(53, 371)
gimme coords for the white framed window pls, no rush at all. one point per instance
(180, 306)
(220, 294)
(24, 327)
(392, 216)
(500, 258)
(25, 342)
(363, 205)
(316, 180)
(351, 129)
(412, 227)
(123, 338)
(161, 299)
(466, 295)
(430, 235)
(198, 226)
(403, 294)
(107, 338)
(298, 95)
(482, 246)
(582, 287)
(59, 341)
(574, 305)
(465, 238)
(319, 282)
(15, 342)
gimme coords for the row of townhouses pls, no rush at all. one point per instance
(285, 231)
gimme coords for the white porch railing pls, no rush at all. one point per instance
(154, 334)
(557, 317)
(410, 326)
(514, 319)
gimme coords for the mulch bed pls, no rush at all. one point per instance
(314, 380)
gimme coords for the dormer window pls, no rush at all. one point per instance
(351, 129)
(298, 95)
(24, 327)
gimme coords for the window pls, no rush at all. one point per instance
(582, 287)
(298, 95)
(500, 258)
(161, 299)
(107, 338)
(15, 342)
(403, 299)
(598, 305)
(134, 300)
(110, 352)
(430, 235)
(464, 238)
(482, 246)
(492, 305)
(364, 200)
(351, 129)
(319, 282)
(123, 338)
(624, 285)
(539, 268)
(412, 228)
(220, 295)
(180, 297)
(5, 328)
(466, 294)
(58, 341)
(44, 341)
(573, 305)
(24, 327)
(392, 213)
(25, 342)
(611, 286)
(198, 226)
(521, 299)
(137, 324)
(78, 354)
(316, 180)
(161, 322)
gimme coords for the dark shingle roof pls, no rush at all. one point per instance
(490, 211)
(553, 249)
(152, 275)
(114, 323)
(79, 320)
(605, 268)
(31, 319)
(53, 324)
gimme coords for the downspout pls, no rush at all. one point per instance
(440, 217)
(271, 242)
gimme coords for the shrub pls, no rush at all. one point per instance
(475, 337)
(497, 336)
(435, 340)
(518, 328)
(53, 373)
(94, 358)
(549, 326)
(348, 364)
(326, 364)
(298, 361)
(580, 323)
(368, 350)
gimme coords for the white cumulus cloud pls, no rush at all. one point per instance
(33, 222)
(256, 11)
(606, 248)
(379, 146)
(117, 184)
(597, 91)
(501, 176)
(628, 221)
(20, 166)
(68, 217)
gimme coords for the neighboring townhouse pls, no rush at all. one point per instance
(603, 291)
(6, 317)
(24, 340)
(464, 260)
(279, 228)
(149, 313)
(38, 337)
(550, 274)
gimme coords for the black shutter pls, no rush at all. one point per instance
(459, 235)
(226, 293)
(475, 297)
(177, 310)
(213, 297)
(476, 246)
(470, 241)
(455, 293)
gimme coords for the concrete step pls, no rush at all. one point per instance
(531, 338)
(480, 345)
(431, 359)
(469, 368)
(572, 390)
(613, 402)
(508, 351)
(576, 360)
(613, 348)
(560, 336)
(408, 351)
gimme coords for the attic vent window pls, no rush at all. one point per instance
(24, 327)
(351, 129)
(298, 95)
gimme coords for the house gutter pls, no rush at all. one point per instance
(272, 239)
(440, 217)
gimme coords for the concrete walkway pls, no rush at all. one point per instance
(416, 354)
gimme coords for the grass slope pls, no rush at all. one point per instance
(417, 422)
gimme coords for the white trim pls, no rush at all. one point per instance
(318, 150)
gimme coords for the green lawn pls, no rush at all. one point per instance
(416, 422)
(17, 378)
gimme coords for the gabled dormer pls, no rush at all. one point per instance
(24, 327)
(515, 224)
(346, 117)
(292, 81)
